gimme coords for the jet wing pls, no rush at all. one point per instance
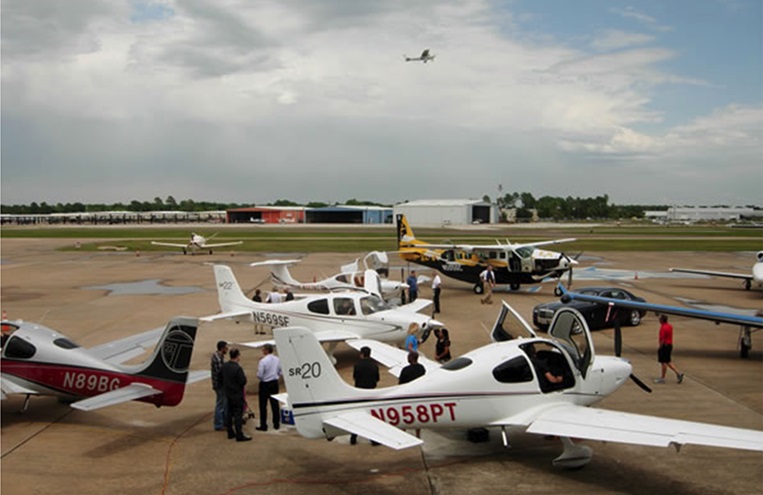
(416, 306)
(122, 350)
(365, 425)
(750, 321)
(615, 426)
(740, 276)
(117, 396)
(170, 244)
(393, 358)
(221, 244)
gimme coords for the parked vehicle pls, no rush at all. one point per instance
(596, 315)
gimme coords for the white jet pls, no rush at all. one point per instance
(502, 385)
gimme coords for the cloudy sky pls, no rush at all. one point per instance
(251, 101)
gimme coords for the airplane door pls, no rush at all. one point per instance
(570, 330)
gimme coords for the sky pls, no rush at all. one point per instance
(251, 101)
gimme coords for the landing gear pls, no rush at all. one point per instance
(745, 341)
(514, 286)
(478, 289)
(557, 291)
(574, 456)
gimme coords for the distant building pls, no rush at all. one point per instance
(448, 211)
(366, 215)
(684, 214)
(266, 214)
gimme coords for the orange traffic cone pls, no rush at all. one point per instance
(635, 277)
(5, 315)
(137, 253)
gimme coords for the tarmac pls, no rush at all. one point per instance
(135, 448)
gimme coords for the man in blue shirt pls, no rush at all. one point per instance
(413, 286)
(268, 371)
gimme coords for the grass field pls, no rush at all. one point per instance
(362, 238)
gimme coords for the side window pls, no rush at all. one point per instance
(516, 370)
(321, 306)
(19, 348)
(344, 306)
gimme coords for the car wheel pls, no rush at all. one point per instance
(635, 318)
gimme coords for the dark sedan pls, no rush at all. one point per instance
(596, 315)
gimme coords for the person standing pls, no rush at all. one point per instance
(221, 403)
(366, 375)
(442, 346)
(665, 351)
(436, 282)
(411, 341)
(488, 283)
(234, 381)
(289, 295)
(268, 371)
(413, 370)
(413, 286)
(257, 297)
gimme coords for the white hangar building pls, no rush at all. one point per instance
(437, 212)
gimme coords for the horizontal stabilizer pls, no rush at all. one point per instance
(122, 350)
(117, 396)
(365, 425)
(197, 376)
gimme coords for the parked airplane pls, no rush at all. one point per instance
(333, 317)
(350, 277)
(197, 243)
(514, 264)
(424, 57)
(502, 385)
(39, 361)
(747, 324)
(755, 277)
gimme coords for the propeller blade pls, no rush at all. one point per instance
(640, 383)
(618, 339)
(569, 279)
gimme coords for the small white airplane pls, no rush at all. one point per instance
(350, 277)
(333, 318)
(502, 385)
(756, 277)
(39, 361)
(424, 57)
(197, 243)
(747, 324)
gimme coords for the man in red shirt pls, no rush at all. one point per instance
(665, 350)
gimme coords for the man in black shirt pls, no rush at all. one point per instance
(366, 375)
(413, 370)
(234, 381)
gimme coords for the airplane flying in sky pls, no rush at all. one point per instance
(747, 324)
(756, 277)
(333, 317)
(513, 264)
(350, 277)
(424, 57)
(503, 385)
(39, 361)
(197, 243)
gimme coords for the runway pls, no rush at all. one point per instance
(137, 449)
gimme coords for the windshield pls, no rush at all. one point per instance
(525, 252)
(372, 304)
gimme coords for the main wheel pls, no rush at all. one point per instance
(514, 286)
(478, 289)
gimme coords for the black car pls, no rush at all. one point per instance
(596, 315)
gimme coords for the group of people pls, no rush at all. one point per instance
(274, 297)
(229, 383)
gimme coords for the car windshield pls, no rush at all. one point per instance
(372, 304)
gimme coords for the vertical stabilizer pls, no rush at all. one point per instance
(405, 237)
(229, 293)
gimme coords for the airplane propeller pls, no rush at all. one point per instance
(618, 352)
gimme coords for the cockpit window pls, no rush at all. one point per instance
(65, 343)
(344, 306)
(16, 347)
(457, 364)
(525, 252)
(321, 306)
(372, 304)
(516, 370)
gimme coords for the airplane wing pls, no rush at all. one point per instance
(736, 319)
(542, 243)
(740, 276)
(323, 336)
(222, 316)
(393, 358)
(170, 244)
(274, 262)
(122, 350)
(8, 386)
(615, 426)
(365, 425)
(117, 396)
(416, 305)
(222, 244)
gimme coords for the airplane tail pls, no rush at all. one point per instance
(229, 293)
(311, 380)
(167, 368)
(405, 237)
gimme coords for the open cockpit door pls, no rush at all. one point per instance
(510, 325)
(570, 330)
(372, 283)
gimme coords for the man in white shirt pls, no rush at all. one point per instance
(488, 283)
(268, 371)
(436, 282)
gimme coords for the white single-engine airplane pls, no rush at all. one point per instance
(350, 277)
(502, 385)
(39, 361)
(747, 324)
(424, 57)
(513, 264)
(197, 243)
(756, 277)
(333, 317)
